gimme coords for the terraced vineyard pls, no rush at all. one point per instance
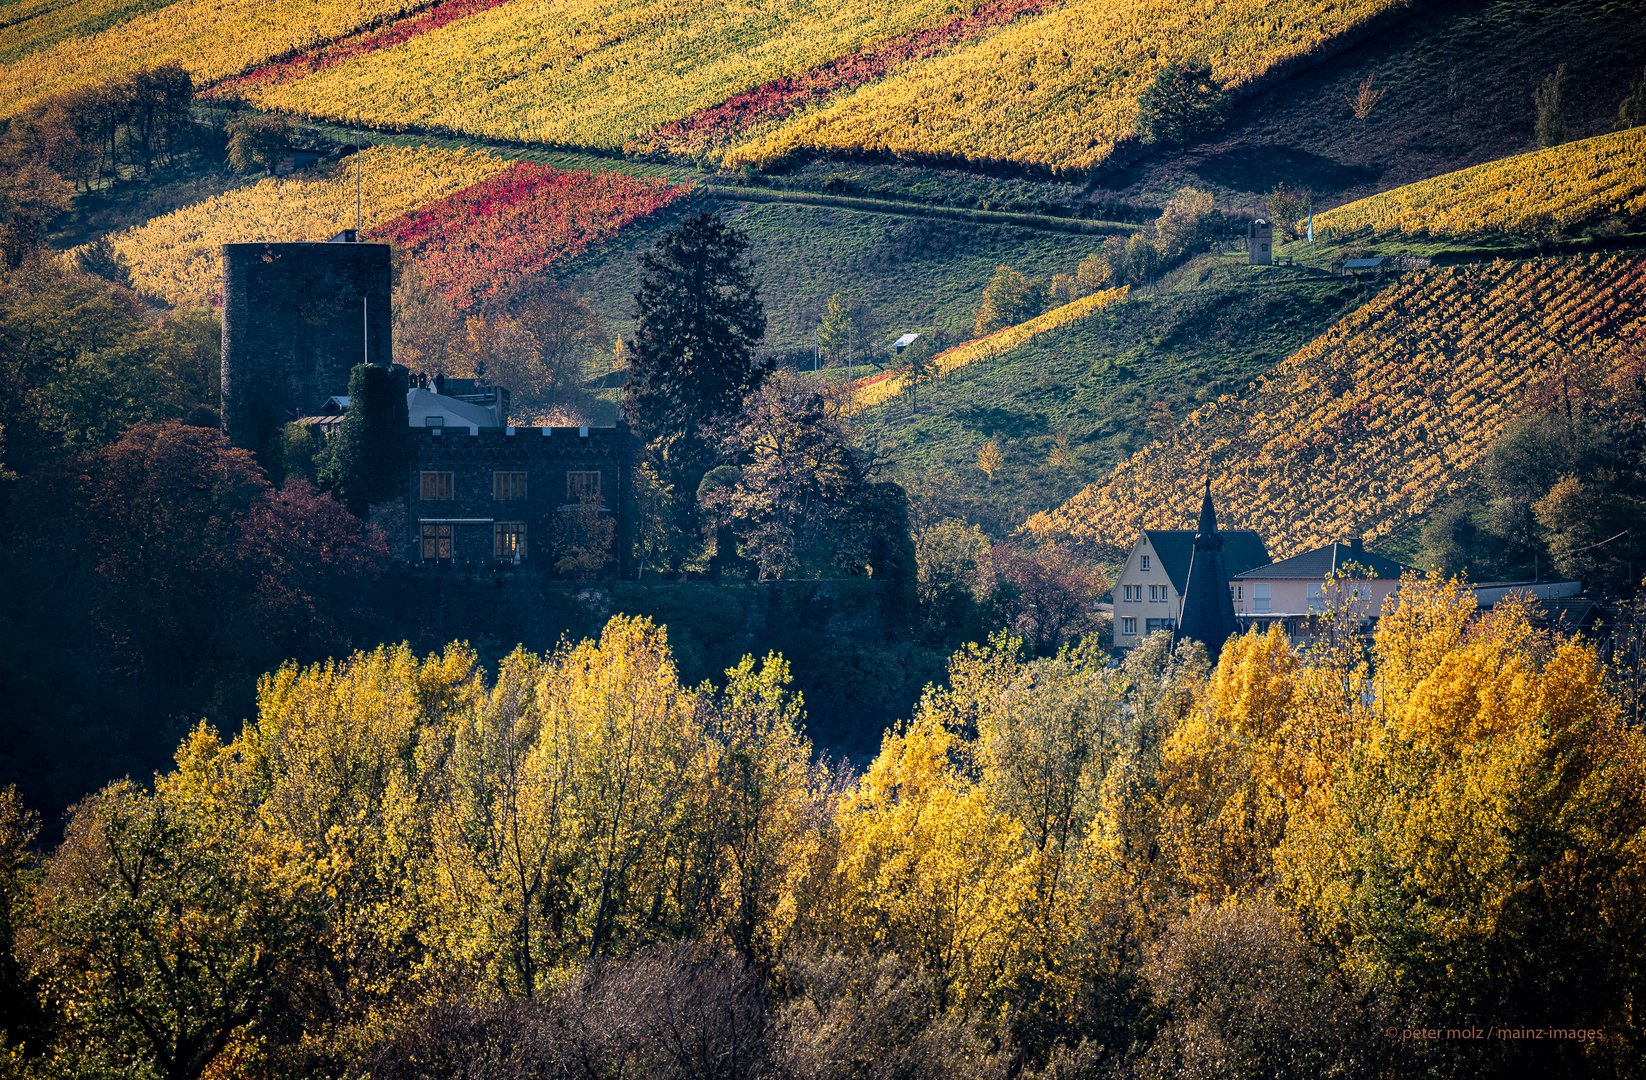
(28, 26)
(594, 73)
(1045, 82)
(488, 238)
(476, 225)
(1369, 426)
(211, 39)
(176, 257)
(1062, 89)
(1546, 191)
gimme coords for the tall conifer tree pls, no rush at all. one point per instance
(692, 361)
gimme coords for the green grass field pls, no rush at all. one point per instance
(1067, 406)
(905, 272)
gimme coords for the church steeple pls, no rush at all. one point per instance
(1208, 517)
(1208, 610)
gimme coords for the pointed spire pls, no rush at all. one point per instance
(1208, 515)
(1207, 614)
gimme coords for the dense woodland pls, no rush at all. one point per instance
(577, 865)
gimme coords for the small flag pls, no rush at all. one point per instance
(1311, 226)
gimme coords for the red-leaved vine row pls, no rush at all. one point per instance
(332, 53)
(774, 100)
(483, 241)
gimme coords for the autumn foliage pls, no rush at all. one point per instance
(1055, 862)
(720, 124)
(1059, 90)
(1376, 421)
(211, 39)
(335, 52)
(177, 257)
(481, 241)
(1538, 193)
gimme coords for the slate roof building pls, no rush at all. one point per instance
(1294, 591)
(1149, 593)
(482, 494)
(1208, 614)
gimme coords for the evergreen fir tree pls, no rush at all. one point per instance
(367, 459)
(692, 361)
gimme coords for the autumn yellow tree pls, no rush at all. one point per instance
(762, 803)
(505, 839)
(924, 868)
(1481, 848)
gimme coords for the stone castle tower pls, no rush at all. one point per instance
(296, 318)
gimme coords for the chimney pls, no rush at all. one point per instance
(440, 383)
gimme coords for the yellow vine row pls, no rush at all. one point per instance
(592, 72)
(1540, 192)
(879, 389)
(1061, 89)
(176, 257)
(211, 39)
(1371, 425)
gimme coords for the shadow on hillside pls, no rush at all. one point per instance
(1261, 166)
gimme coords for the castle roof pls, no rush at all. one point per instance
(421, 405)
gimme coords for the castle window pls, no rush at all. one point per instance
(1128, 626)
(509, 541)
(508, 486)
(583, 484)
(437, 540)
(437, 486)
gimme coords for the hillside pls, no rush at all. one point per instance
(1035, 82)
(902, 272)
(27, 26)
(1071, 403)
(1456, 81)
(1588, 182)
(211, 39)
(1376, 421)
(176, 257)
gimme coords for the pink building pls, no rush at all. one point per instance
(1294, 591)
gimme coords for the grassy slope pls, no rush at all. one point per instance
(1095, 382)
(909, 272)
(1384, 416)
(1459, 80)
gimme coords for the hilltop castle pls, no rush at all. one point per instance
(479, 491)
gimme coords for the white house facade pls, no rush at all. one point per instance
(1148, 595)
